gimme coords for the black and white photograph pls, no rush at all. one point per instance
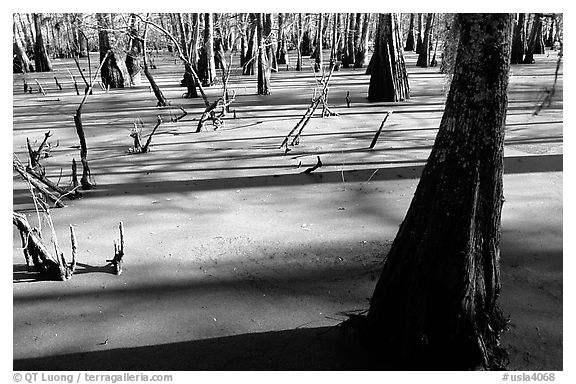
(286, 191)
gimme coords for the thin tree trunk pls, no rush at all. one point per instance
(319, 60)
(209, 48)
(248, 67)
(281, 52)
(350, 56)
(363, 44)
(263, 65)
(533, 40)
(419, 43)
(133, 55)
(435, 304)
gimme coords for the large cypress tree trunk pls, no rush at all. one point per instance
(388, 80)
(134, 53)
(519, 40)
(114, 72)
(419, 43)
(424, 54)
(263, 65)
(435, 304)
(41, 59)
(410, 38)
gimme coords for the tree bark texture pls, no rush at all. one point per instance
(388, 80)
(210, 73)
(533, 41)
(435, 304)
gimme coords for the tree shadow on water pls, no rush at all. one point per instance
(324, 348)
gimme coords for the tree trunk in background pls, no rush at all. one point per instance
(334, 45)
(82, 43)
(424, 55)
(419, 35)
(182, 33)
(363, 43)
(539, 46)
(350, 56)
(41, 59)
(533, 40)
(209, 48)
(281, 52)
(550, 35)
(450, 47)
(248, 67)
(435, 304)
(114, 73)
(21, 63)
(343, 23)
(263, 65)
(300, 28)
(318, 57)
(133, 55)
(410, 38)
(28, 40)
(519, 40)
(388, 80)
(269, 42)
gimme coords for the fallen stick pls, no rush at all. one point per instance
(375, 139)
(57, 83)
(315, 167)
(40, 87)
(26, 176)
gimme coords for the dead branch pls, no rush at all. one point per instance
(116, 261)
(375, 139)
(146, 146)
(310, 111)
(37, 255)
(84, 181)
(18, 167)
(40, 87)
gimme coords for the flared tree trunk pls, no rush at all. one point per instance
(533, 41)
(410, 38)
(41, 59)
(133, 55)
(435, 304)
(114, 72)
(424, 55)
(387, 69)
(519, 40)
(263, 65)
